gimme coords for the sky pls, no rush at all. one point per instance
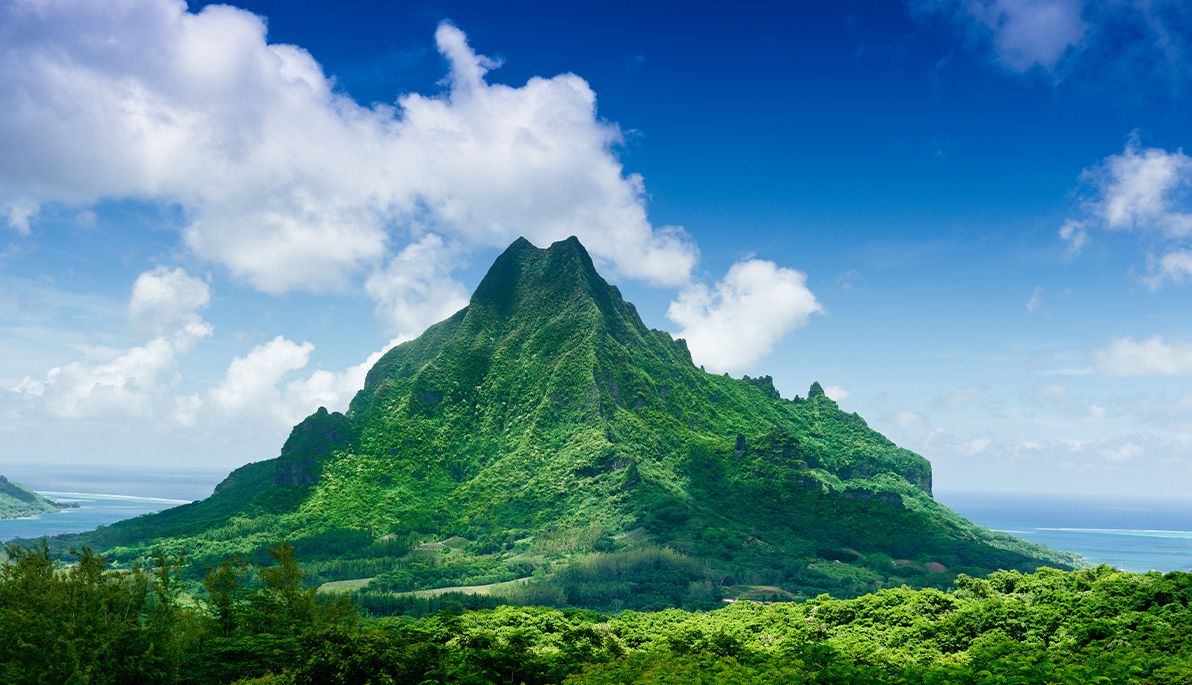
(970, 221)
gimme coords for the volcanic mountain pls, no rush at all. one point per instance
(545, 428)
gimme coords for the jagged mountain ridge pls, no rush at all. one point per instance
(545, 405)
(549, 359)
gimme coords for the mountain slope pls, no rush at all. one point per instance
(544, 422)
(17, 501)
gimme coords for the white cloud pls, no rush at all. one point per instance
(288, 183)
(1127, 451)
(415, 289)
(1052, 392)
(260, 387)
(20, 212)
(907, 419)
(1174, 267)
(327, 389)
(837, 393)
(137, 381)
(1021, 34)
(164, 300)
(1150, 357)
(1036, 301)
(133, 385)
(1029, 33)
(850, 280)
(141, 382)
(730, 327)
(942, 443)
(1075, 234)
(959, 396)
(1128, 41)
(250, 384)
(1144, 190)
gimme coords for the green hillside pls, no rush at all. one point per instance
(17, 501)
(545, 431)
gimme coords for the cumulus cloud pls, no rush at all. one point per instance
(1150, 357)
(1121, 40)
(136, 381)
(731, 326)
(1144, 190)
(287, 183)
(262, 386)
(249, 387)
(415, 288)
(164, 300)
(133, 384)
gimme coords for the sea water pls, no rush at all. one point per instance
(104, 494)
(93, 510)
(1130, 533)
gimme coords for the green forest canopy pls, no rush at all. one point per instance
(260, 624)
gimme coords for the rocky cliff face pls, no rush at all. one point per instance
(309, 441)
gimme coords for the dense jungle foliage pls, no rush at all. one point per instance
(549, 430)
(84, 623)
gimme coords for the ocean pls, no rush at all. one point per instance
(1130, 533)
(94, 510)
(105, 495)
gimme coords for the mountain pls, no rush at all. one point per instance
(17, 501)
(545, 430)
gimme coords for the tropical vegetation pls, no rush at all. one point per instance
(86, 623)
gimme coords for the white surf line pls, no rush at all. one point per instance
(107, 496)
(1174, 534)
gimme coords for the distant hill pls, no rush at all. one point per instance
(17, 501)
(545, 431)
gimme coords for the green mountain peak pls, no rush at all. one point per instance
(545, 421)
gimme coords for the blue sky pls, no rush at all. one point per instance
(969, 220)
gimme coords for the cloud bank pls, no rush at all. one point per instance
(287, 183)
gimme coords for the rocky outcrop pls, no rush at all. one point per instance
(314, 437)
